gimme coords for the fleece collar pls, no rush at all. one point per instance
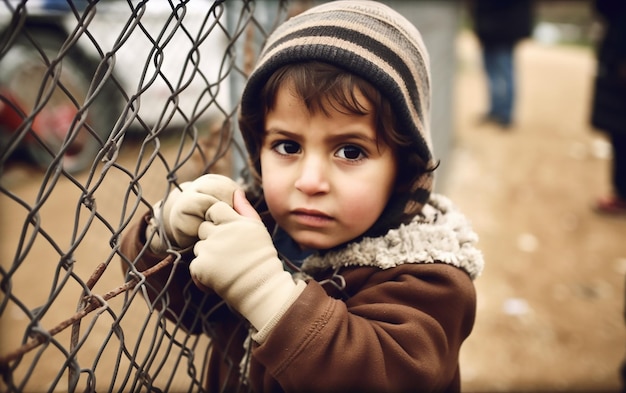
(441, 233)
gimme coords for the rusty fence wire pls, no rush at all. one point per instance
(105, 106)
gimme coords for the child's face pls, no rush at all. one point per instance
(326, 180)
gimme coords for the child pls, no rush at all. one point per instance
(351, 277)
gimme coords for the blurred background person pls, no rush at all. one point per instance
(499, 26)
(608, 112)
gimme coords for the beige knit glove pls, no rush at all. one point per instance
(237, 259)
(182, 212)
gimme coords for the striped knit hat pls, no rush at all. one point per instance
(370, 40)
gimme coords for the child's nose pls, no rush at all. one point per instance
(313, 176)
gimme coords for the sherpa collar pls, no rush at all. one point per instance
(441, 233)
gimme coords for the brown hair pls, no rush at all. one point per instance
(323, 87)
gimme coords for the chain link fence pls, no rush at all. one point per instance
(105, 106)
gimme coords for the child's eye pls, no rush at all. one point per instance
(287, 147)
(351, 152)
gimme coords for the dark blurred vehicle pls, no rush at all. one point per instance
(47, 110)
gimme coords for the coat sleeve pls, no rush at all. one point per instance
(402, 331)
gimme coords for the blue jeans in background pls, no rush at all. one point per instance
(499, 67)
(618, 170)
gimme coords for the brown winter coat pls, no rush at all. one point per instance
(382, 315)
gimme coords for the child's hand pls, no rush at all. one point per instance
(243, 207)
(236, 258)
(182, 211)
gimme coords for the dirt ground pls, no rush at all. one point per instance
(551, 297)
